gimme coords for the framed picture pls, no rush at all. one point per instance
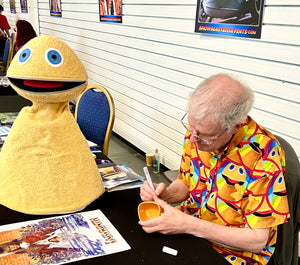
(55, 8)
(239, 18)
(12, 6)
(23, 4)
(110, 11)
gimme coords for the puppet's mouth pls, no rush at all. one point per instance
(43, 86)
(280, 193)
(231, 182)
(263, 214)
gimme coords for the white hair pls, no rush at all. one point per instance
(225, 108)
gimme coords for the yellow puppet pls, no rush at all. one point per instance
(46, 166)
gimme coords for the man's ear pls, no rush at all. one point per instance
(237, 127)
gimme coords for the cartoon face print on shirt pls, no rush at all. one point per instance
(230, 179)
(277, 193)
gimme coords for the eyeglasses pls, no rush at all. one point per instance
(186, 125)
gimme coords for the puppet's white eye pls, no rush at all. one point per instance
(25, 55)
(53, 57)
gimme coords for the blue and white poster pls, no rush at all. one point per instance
(238, 18)
(60, 239)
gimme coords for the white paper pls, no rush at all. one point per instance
(91, 144)
(4, 130)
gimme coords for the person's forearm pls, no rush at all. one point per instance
(244, 239)
(176, 192)
(7, 32)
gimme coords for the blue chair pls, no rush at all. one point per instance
(7, 56)
(13, 41)
(95, 115)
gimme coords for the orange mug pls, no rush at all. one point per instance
(149, 210)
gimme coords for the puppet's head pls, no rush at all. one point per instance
(47, 70)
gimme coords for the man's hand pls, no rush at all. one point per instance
(147, 193)
(170, 222)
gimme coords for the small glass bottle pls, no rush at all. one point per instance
(156, 162)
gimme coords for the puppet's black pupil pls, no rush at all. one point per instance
(24, 55)
(54, 57)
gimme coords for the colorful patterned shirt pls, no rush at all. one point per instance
(241, 187)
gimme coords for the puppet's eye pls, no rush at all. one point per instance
(241, 171)
(231, 167)
(54, 57)
(25, 55)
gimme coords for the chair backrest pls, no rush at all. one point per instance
(95, 115)
(7, 53)
(11, 50)
(13, 40)
(286, 249)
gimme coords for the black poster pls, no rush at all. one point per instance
(239, 18)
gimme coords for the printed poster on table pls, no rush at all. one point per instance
(238, 18)
(55, 8)
(110, 11)
(60, 239)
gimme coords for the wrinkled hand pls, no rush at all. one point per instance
(147, 193)
(172, 221)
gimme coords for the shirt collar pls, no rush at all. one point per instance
(237, 138)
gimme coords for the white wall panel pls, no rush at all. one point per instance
(182, 11)
(286, 14)
(153, 60)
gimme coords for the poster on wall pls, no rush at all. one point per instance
(110, 11)
(238, 18)
(12, 6)
(24, 8)
(55, 8)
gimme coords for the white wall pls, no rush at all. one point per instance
(153, 60)
(31, 16)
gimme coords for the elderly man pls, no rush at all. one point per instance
(230, 185)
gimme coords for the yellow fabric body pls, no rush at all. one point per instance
(47, 167)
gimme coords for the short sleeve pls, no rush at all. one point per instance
(5, 24)
(265, 202)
